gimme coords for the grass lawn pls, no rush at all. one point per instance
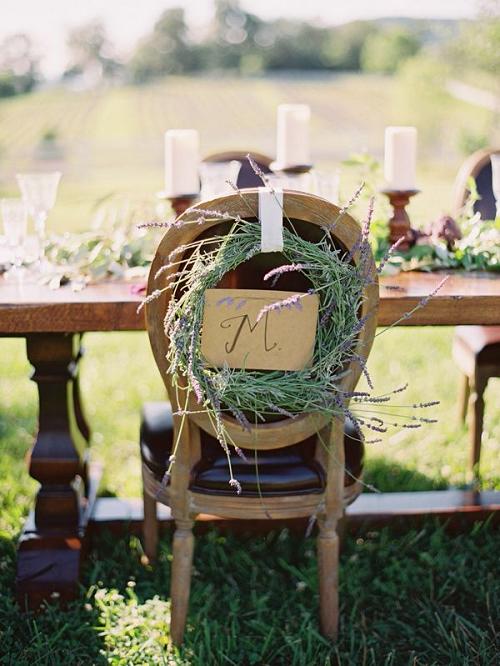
(415, 599)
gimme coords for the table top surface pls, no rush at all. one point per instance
(465, 298)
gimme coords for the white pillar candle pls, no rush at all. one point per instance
(182, 158)
(293, 135)
(400, 159)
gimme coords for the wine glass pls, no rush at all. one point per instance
(300, 182)
(15, 224)
(326, 185)
(495, 179)
(39, 191)
(215, 176)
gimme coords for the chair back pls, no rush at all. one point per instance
(477, 166)
(309, 215)
(247, 176)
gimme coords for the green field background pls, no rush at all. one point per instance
(111, 141)
(423, 597)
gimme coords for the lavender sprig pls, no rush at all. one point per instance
(276, 273)
(291, 301)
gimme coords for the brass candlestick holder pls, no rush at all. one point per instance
(399, 224)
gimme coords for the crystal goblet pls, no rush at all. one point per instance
(326, 184)
(216, 176)
(15, 224)
(39, 192)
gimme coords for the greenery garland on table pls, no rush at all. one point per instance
(316, 389)
(466, 243)
(115, 247)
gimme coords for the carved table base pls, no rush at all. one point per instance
(51, 543)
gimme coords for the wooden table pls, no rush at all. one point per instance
(53, 321)
(464, 299)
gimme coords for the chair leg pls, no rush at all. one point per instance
(463, 399)
(476, 415)
(183, 548)
(328, 574)
(150, 526)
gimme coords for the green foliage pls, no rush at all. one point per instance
(470, 140)
(165, 51)
(50, 135)
(90, 47)
(421, 96)
(295, 45)
(344, 44)
(8, 86)
(478, 45)
(240, 41)
(478, 250)
(18, 65)
(405, 599)
(116, 247)
(386, 51)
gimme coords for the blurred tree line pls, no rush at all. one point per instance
(19, 71)
(242, 42)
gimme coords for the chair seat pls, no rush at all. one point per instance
(480, 341)
(289, 470)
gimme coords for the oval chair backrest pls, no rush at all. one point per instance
(247, 176)
(477, 166)
(297, 206)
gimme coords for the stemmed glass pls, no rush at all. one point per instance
(39, 191)
(300, 182)
(215, 176)
(326, 184)
(15, 224)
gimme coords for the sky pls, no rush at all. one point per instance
(48, 21)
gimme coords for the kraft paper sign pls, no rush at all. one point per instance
(282, 339)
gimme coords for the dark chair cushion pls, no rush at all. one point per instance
(247, 176)
(486, 205)
(156, 436)
(288, 470)
(481, 341)
(285, 472)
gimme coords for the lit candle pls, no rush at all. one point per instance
(400, 160)
(181, 162)
(293, 135)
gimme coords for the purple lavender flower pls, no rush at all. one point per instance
(282, 411)
(257, 170)
(235, 484)
(152, 297)
(241, 418)
(389, 254)
(286, 268)
(291, 301)
(327, 313)
(240, 453)
(362, 364)
(213, 213)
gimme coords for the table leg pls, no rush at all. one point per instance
(51, 543)
(80, 417)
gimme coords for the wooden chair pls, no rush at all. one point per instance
(301, 461)
(247, 176)
(476, 349)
